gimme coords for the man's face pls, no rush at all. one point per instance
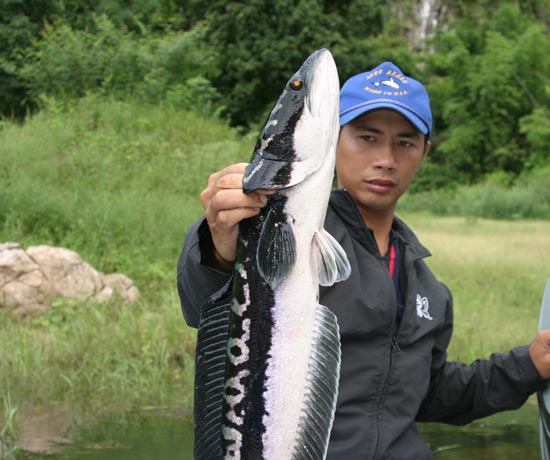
(377, 157)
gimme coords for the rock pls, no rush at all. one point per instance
(31, 280)
(122, 286)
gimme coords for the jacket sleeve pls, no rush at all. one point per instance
(461, 393)
(196, 282)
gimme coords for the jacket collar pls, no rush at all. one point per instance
(342, 203)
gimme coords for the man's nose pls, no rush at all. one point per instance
(385, 157)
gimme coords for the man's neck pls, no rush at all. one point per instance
(381, 225)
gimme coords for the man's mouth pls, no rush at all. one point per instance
(380, 185)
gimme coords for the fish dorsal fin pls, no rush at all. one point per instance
(277, 248)
(210, 357)
(330, 259)
(321, 390)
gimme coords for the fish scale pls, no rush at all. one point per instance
(268, 355)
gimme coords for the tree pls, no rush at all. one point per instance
(482, 89)
(260, 44)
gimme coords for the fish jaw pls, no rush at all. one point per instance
(303, 117)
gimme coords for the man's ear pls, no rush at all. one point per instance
(427, 148)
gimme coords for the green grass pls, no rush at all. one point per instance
(7, 428)
(118, 182)
(498, 196)
(115, 181)
(100, 357)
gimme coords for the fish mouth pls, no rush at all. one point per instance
(319, 71)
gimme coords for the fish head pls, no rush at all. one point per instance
(301, 131)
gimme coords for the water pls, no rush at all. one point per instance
(510, 435)
(149, 436)
(140, 436)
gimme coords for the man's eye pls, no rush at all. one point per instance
(367, 138)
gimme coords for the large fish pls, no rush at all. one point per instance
(268, 355)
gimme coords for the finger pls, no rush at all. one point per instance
(237, 168)
(234, 198)
(226, 221)
(221, 184)
(230, 180)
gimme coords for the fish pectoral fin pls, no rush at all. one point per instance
(321, 391)
(210, 356)
(330, 259)
(276, 253)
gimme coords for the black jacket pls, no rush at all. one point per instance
(389, 379)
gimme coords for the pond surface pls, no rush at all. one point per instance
(150, 436)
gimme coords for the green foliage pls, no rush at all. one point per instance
(260, 44)
(486, 67)
(67, 63)
(60, 316)
(19, 23)
(536, 127)
(488, 81)
(499, 196)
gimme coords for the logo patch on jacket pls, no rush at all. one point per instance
(422, 307)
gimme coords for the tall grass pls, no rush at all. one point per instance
(115, 181)
(499, 196)
(7, 449)
(99, 357)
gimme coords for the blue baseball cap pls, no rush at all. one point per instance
(386, 87)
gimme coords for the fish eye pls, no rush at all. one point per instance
(296, 85)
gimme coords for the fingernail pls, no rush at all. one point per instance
(263, 199)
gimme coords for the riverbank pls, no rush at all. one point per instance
(118, 182)
(96, 360)
(81, 362)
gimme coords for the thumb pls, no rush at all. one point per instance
(539, 350)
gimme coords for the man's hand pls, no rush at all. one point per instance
(540, 353)
(225, 205)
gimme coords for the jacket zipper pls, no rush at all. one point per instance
(394, 348)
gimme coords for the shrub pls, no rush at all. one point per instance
(500, 196)
(66, 63)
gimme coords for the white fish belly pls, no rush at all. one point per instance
(294, 320)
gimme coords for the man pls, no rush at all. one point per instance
(395, 318)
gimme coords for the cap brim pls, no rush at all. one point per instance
(357, 111)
